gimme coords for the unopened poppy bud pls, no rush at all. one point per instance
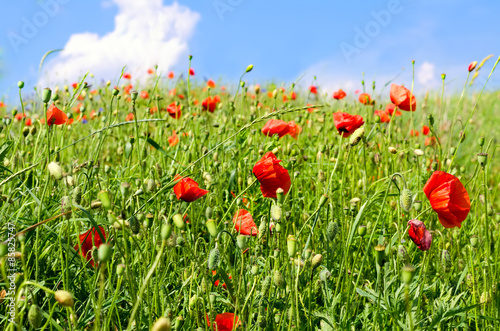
(55, 170)
(77, 195)
(166, 231)
(472, 66)
(134, 95)
(332, 230)
(35, 316)
(291, 244)
(46, 94)
(393, 150)
(407, 274)
(242, 84)
(325, 275)
(276, 212)
(249, 68)
(125, 190)
(417, 204)
(406, 200)
(380, 254)
(481, 141)
(357, 136)
(193, 301)
(255, 269)
(362, 230)
(262, 228)
(280, 195)
(430, 118)
(105, 199)
(275, 94)
(418, 152)
(482, 158)
(162, 324)
(135, 226)
(443, 76)
(115, 92)
(66, 206)
(104, 253)
(20, 84)
(241, 241)
(462, 136)
(316, 261)
(209, 213)
(212, 228)
(214, 258)
(178, 221)
(278, 227)
(64, 298)
(278, 279)
(474, 241)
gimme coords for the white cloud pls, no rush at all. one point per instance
(146, 33)
(426, 75)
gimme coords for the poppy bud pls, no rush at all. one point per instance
(362, 230)
(266, 285)
(162, 324)
(55, 170)
(380, 254)
(276, 211)
(462, 136)
(275, 94)
(77, 195)
(212, 227)
(357, 136)
(178, 221)
(166, 231)
(105, 199)
(430, 118)
(104, 253)
(242, 240)
(407, 274)
(472, 66)
(316, 261)
(418, 152)
(481, 141)
(148, 222)
(417, 204)
(249, 68)
(474, 241)
(135, 226)
(64, 298)
(178, 323)
(278, 279)
(332, 230)
(35, 316)
(262, 228)
(46, 94)
(291, 244)
(406, 200)
(482, 158)
(393, 150)
(3, 249)
(214, 258)
(443, 76)
(66, 206)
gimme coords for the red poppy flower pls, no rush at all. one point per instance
(346, 123)
(294, 129)
(174, 110)
(357, 91)
(151, 71)
(188, 190)
(144, 94)
(171, 75)
(127, 76)
(244, 224)
(56, 116)
(414, 133)
(285, 98)
(225, 322)
(19, 116)
(390, 109)
(271, 175)
(191, 71)
(425, 130)
(130, 117)
(384, 116)
(448, 198)
(210, 103)
(92, 114)
(313, 89)
(339, 95)
(403, 98)
(276, 127)
(88, 240)
(310, 110)
(419, 235)
(127, 89)
(365, 99)
(211, 83)
(270, 94)
(430, 141)
(2, 104)
(28, 122)
(293, 96)
(74, 85)
(173, 139)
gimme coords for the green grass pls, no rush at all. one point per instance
(456, 284)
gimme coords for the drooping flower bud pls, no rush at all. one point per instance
(242, 240)
(249, 68)
(35, 316)
(166, 231)
(178, 221)
(406, 199)
(212, 228)
(357, 136)
(104, 253)
(214, 258)
(316, 261)
(64, 298)
(472, 66)
(332, 230)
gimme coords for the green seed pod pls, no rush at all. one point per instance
(166, 231)
(150, 186)
(278, 279)
(255, 269)
(148, 222)
(276, 213)
(104, 253)
(35, 316)
(316, 261)
(77, 195)
(162, 324)
(474, 241)
(280, 195)
(407, 274)
(128, 150)
(105, 199)
(46, 94)
(135, 226)
(380, 254)
(64, 298)
(55, 170)
(482, 158)
(241, 241)
(332, 230)
(212, 228)
(120, 269)
(406, 200)
(291, 244)
(362, 230)
(417, 204)
(66, 206)
(481, 141)
(214, 258)
(178, 221)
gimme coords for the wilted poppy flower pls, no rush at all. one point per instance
(191, 71)
(244, 224)
(390, 108)
(144, 94)
(173, 139)
(127, 76)
(425, 130)
(56, 116)
(174, 110)
(448, 198)
(276, 127)
(339, 95)
(225, 322)
(346, 123)
(130, 117)
(365, 99)
(211, 83)
(271, 175)
(295, 129)
(188, 190)
(210, 103)
(384, 116)
(419, 235)
(88, 240)
(313, 89)
(171, 75)
(403, 98)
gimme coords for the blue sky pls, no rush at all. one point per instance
(336, 41)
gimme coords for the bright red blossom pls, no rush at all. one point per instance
(294, 130)
(174, 110)
(425, 130)
(56, 116)
(210, 103)
(403, 98)
(191, 71)
(448, 198)
(276, 127)
(173, 139)
(271, 175)
(225, 322)
(188, 190)
(127, 76)
(244, 224)
(346, 123)
(211, 83)
(339, 95)
(88, 240)
(390, 108)
(385, 117)
(419, 234)
(365, 99)
(313, 89)
(130, 117)
(144, 94)
(171, 75)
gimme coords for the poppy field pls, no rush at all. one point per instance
(179, 203)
